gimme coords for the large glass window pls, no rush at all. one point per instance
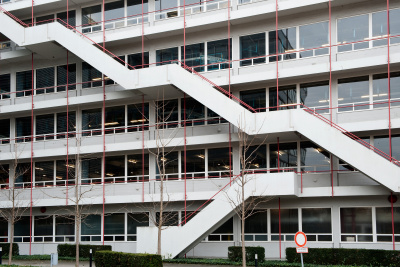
(356, 224)
(4, 177)
(115, 120)
(23, 175)
(353, 29)
(71, 18)
(317, 224)
(91, 16)
(91, 171)
(382, 143)
(5, 131)
(384, 224)
(134, 11)
(194, 56)
(286, 44)
(64, 124)
(166, 9)
(380, 94)
(91, 122)
(45, 80)
(195, 163)
(219, 162)
(24, 83)
(289, 224)
(65, 77)
(167, 56)
(223, 233)
(44, 173)
(65, 229)
(314, 36)
(113, 12)
(353, 93)
(287, 97)
(167, 113)
(254, 98)
(138, 116)
(193, 111)
(252, 49)
(313, 158)
(167, 166)
(217, 52)
(5, 86)
(316, 96)
(91, 77)
(44, 19)
(3, 230)
(379, 26)
(286, 156)
(169, 218)
(136, 220)
(139, 60)
(91, 228)
(256, 226)
(255, 157)
(115, 169)
(62, 169)
(136, 165)
(43, 229)
(114, 227)
(45, 127)
(21, 229)
(23, 129)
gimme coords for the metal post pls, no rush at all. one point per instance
(90, 258)
(51, 259)
(301, 256)
(1, 255)
(255, 260)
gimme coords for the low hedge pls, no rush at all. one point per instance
(344, 256)
(69, 250)
(112, 258)
(235, 253)
(6, 248)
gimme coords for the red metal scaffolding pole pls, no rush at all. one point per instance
(184, 101)
(142, 148)
(67, 90)
(276, 52)
(280, 238)
(388, 69)
(32, 106)
(104, 128)
(229, 89)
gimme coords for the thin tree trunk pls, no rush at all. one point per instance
(243, 216)
(77, 237)
(11, 241)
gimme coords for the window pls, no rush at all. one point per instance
(194, 112)
(214, 118)
(252, 49)
(136, 165)
(134, 11)
(115, 120)
(113, 12)
(45, 80)
(139, 60)
(91, 171)
(167, 56)
(380, 94)
(45, 127)
(169, 218)
(286, 156)
(65, 229)
(21, 229)
(356, 224)
(3, 230)
(4, 177)
(384, 224)
(195, 163)
(23, 175)
(71, 18)
(114, 227)
(167, 113)
(136, 220)
(91, 122)
(44, 173)
(353, 29)
(115, 169)
(382, 143)
(24, 83)
(287, 98)
(192, 6)
(91, 228)
(62, 169)
(167, 166)
(256, 226)
(223, 233)
(43, 229)
(255, 99)
(217, 52)
(315, 96)
(219, 162)
(317, 224)
(286, 44)
(353, 93)
(44, 19)
(256, 157)
(23, 129)
(314, 36)
(166, 9)
(65, 124)
(194, 56)
(5, 131)
(379, 26)
(91, 16)
(65, 77)
(5, 86)
(289, 224)
(91, 77)
(138, 117)
(314, 158)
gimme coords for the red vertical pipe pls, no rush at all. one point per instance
(278, 154)
(142, 36)
(229, 89)
(104, 125)
(31, 203)
(142, 148)
(332, 173)
(388, 68)
(280, 236)
(185, 143)
(67, 90)
(276, 54)
(391, 203)
(330, 60)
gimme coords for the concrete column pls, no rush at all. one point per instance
(152, 8)
(336, 226)
(235, 159)
(235, 54)
(236, 230)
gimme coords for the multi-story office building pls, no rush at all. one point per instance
(95, 97)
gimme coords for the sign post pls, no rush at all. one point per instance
(301, 240)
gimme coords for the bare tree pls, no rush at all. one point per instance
(13, 195)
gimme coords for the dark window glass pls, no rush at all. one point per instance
(195, 162)
(23, 128)
(256, 223)
(217, 52)
(286, 44)
(316, 220)
(226, 228)
(287, 97)
(384, 220)
(4, 178)
(167, 113)
(218, 162)
(138, 115)
(43, 225)
(254, 98)
(313, 157)
(287, 155)
(167, 56)
(3, 230)
(167, 164)
(90, 76)
(289, 221)
(314, 36)
(115, 167)
(44, 171)
(45, 80)
(115, 117)
(136, 220)
(353, 93)
(21, 227)
(356, 221)
(24, 83)
(114, 224)
(315, 95)
(91, 120)
(5, 85)
(45, 19)
(91, 168)
(170, 218)
(135, 60)
(194, 56)
(61, 172)
(250, 47)
(45, 127)
(136, 165)
(63, 123)
(380, 94)
(23, 175)
(91, 15)
(91, 225)
(65, 226)
(71, 18)
(255, 157)
(4, 131)
(353, 29)
(62, 78)
(193, 111)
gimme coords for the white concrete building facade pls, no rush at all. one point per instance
(95, 96)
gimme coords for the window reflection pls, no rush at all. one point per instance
(286, 44)
(255, 99)
(384, 224)
(314, 36)
(287, 155)
(289, 224)
(250, 47)
(356, 224)
(195, 163)
(353, 93)
(287, 97)
(379, 26)
(353, 29)
(194, 112)
(218, 162)
(313, 157)
(194, 56)
(380, 89)
(167, 56)
(316, 96)
(217, 51)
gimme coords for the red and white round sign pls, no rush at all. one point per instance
(301, 239)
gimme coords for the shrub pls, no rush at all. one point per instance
(69, 250)
(111, 258)
(6, 248)
(343, 256)
(235, 253)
